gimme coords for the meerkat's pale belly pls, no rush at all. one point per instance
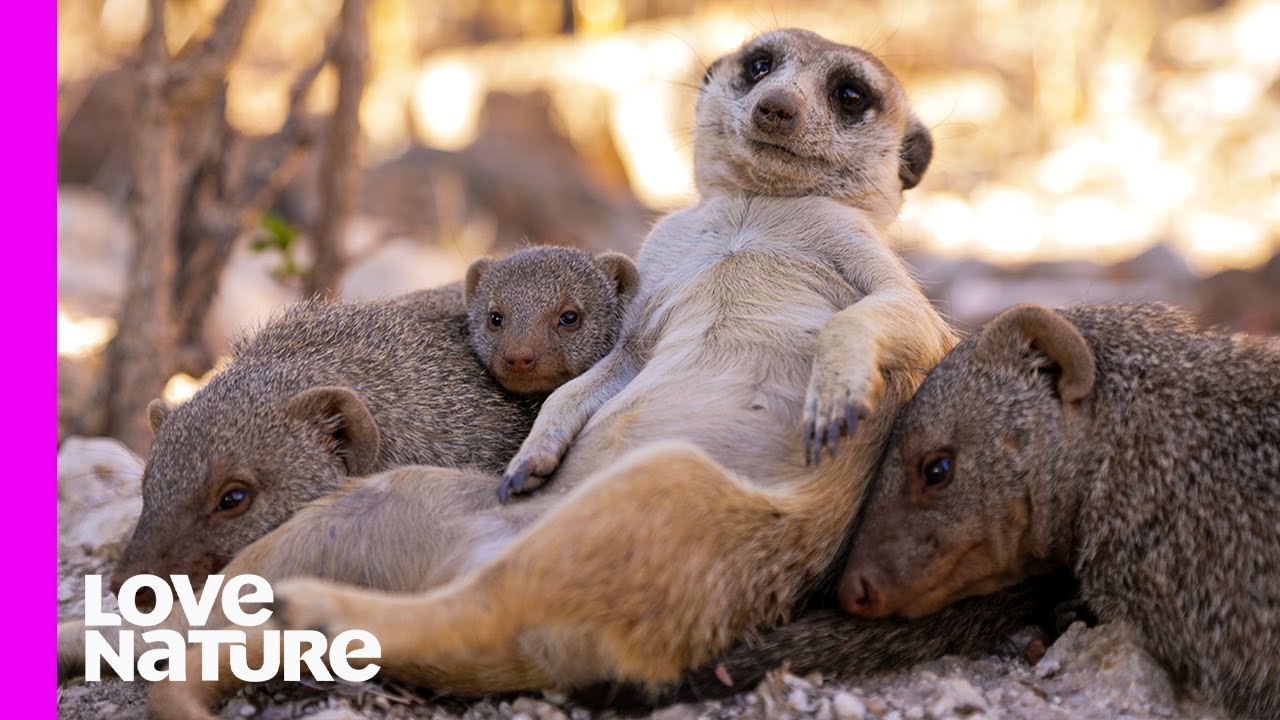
(729, 369)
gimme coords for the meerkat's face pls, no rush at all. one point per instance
(791, 114)
(958, 505)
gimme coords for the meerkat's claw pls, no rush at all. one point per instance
(534, 463)
(513, 482)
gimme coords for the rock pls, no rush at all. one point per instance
(99, 496)
(1068, 645)
(334, 713)
(799, 701)
(89, 468)
(682, 711)
(1110, 654)
(848, 707)
(958, 697)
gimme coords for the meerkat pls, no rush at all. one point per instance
(329, 392)
(1123, 442)
(712, 463)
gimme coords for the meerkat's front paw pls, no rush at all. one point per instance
(841, 393)
(311, 604)
(539, 456)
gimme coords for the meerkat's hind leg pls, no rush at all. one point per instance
(553, 609)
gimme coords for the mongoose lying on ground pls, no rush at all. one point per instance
(1123, 442)
(332, 391)
(685, 515)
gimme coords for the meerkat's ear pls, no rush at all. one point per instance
(1046, 340)
(916, 152)
(157, 411)
(623, 271)
(344, 425)
(475, 271)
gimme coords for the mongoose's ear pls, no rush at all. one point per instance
(623, 271)
(157, 411)
(345, 423)
(916, 152)
(475, 271)
(1048, 340)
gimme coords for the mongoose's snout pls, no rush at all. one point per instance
(777, 113)
(520, 360)
(858, 595)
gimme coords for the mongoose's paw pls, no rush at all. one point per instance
(310, 604)
(840, 395)
(537, 459)
(70, 650)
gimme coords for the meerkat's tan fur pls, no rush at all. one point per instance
(683, 513)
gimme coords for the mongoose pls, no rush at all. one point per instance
(684, 515)
(1121, 441)
(332, 391)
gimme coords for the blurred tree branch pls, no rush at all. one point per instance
(195, 190)
(340, 158)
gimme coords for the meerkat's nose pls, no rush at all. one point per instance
(776, 113)
(520, 360)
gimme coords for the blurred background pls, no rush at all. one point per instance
(235, 156)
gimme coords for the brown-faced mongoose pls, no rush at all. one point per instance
(332, 391)
(684, 515)
(1121, 441)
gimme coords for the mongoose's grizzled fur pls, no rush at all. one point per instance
(332, 391)
(1121, 441)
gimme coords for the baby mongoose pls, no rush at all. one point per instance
(1121, 441)
(331, 391)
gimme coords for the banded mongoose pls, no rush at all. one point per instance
(332, 391)
(1124, 442)
(684, 515)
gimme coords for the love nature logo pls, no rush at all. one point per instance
(166, 658)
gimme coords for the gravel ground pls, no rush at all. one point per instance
(1087, 673)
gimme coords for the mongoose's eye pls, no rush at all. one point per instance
(937, 469)
(495, 320)
(235, 499)
(231, 500)
(569, 319)
(758, 67)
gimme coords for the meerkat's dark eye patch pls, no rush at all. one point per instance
(711, 69)
(758, 64)
(851, 97)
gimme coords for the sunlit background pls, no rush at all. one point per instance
(1133, 146)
